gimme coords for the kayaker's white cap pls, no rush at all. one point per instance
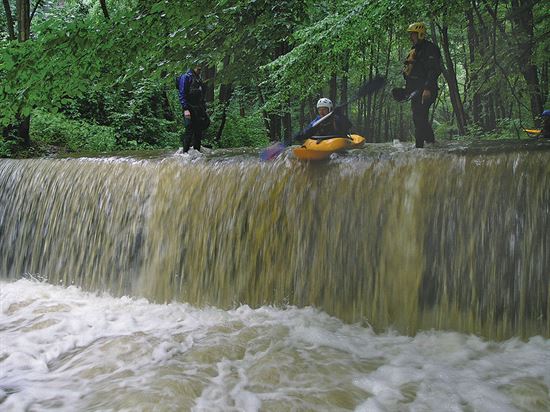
(324, 102)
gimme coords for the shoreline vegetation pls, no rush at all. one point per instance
(98, 77)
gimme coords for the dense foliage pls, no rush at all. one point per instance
(99, 75)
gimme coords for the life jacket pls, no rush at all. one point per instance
(409, 63)
(422, 66)
(335, 125)
(196, 90)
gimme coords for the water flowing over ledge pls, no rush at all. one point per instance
(446, 239)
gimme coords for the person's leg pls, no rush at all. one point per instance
(418, 115)
(187, 136)
(197, 137)
(421, 117)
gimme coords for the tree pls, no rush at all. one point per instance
(9, 20)
(522, 17)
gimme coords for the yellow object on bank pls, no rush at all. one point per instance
(318, 149)
(533, 132)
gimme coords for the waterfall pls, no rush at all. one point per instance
(447, 240)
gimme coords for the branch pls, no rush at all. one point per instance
(34, 10)
(104, 8)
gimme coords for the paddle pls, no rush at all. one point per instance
(369, 87)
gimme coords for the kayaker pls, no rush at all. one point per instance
(421, 70)
(191, 96)
(337, 124)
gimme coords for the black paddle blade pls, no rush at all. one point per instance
(371, 86)
(399, 94)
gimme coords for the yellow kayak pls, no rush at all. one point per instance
(533, 132)
(322, 148)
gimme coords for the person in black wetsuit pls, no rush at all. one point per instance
(191, 96)
(337, 124)
(421, 70)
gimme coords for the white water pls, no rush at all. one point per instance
(66, 350)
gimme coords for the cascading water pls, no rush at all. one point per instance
(243, 263)
(441, 240)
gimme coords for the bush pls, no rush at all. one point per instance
(75, 135)
(445, 130)
(505, 129)
(146, 131)
(5, 148)
(247, 131)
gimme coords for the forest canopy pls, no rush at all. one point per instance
(99, 74)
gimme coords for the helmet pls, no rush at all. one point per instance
(418, 27)
(324, 102)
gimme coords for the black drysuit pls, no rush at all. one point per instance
(422, 68)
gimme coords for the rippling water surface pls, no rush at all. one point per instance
(275, 272)
(64, 349)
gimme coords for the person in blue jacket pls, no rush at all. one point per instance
(191, 90)
(337, 124)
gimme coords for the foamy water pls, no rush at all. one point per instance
(64, 349)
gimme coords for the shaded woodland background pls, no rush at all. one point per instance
(99, 75)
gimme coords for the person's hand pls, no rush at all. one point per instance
(187, 114)
(426, 95)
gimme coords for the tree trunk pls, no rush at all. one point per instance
(368, 108)
(491, 121)
(302, 118)
(544, 82)
(274, 127)
(9, 21)
(384, 135)
(473, 77)
(226, 90)
(104, 8)
(6, 131)
(450, 76)
(287, 125)
(360, 104)
(333, 87)
(24, 33)
(265, 116)
(401, 136)
(167, 112)
(23, 20)
(522, 17)
(344, 82)
(210, 81)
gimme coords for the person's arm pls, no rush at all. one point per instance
(183, 91)
(307, 132)
(342, 124)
